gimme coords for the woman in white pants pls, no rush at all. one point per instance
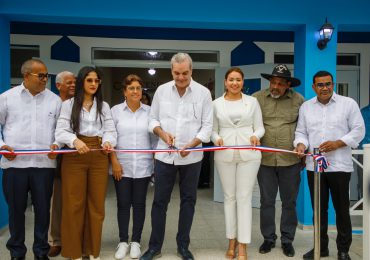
(237, 121)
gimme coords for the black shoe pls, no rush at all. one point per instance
(42, 257)
(310, 254)
(151, 254)
(184, 253)
(343, 256)
(266, 246)
(288, 249)
(17, 258)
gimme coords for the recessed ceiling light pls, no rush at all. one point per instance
(151, 71)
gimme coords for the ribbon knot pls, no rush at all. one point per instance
(321, 163)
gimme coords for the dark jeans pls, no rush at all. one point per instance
(17, 182)
(286, 179)
(165, 177)
(337, 183)
(131, 192)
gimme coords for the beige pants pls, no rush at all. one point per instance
(238, 179)
(84, 185)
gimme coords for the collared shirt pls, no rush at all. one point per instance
(90, 125)
(132, 132)
(280, 117)
(28, 123)
(340, 119)
(186, 118)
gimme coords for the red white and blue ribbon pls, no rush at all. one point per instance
(321, 163)
(168, 150)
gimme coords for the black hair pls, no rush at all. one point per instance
(321, 73)
(79, 98)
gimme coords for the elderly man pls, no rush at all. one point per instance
(332, 123)
(28, 115)
(279, 171)
(181, 115)
(65, 82)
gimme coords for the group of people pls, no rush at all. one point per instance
(181, 116)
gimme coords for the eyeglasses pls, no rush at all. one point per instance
(132, 88)
(41, 76)
(96, 81)
(324, 84)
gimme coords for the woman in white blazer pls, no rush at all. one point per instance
(237, 121)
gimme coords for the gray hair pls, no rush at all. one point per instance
(61, 75)
(180, 58)
(27, 65)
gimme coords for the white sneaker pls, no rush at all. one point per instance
(93, 258)
(135, 251)
(121, 250)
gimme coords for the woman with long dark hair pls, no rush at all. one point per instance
(86, 124)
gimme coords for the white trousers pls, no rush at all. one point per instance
(238, 179)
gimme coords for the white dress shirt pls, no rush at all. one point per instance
(28, 123)
(90, 125)
(186, 118)
(340, 119)
(132, 133)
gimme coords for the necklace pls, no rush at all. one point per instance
(87, 105)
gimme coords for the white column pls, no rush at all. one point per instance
(366, 206)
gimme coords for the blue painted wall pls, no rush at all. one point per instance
(4, 85)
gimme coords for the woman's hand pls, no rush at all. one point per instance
(80, 146)
(117, 171)
(107, 147)
(219, 142)
(254, 140)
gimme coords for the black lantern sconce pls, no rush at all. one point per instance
(325, 32)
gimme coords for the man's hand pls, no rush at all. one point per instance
(330, 146)
(80, 146)
(52, 155)
(254, 140)
(184, 153)
(168, 138)
(10, 157)
(300, 149)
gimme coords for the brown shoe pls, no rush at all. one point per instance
(231, 251)
(242, 251)
(54, 251)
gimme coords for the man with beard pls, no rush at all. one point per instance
(279, 171)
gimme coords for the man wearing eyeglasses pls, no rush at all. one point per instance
(28, 115)
(65, 82)
(332, 123)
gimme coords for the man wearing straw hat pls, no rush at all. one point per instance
(278, 171)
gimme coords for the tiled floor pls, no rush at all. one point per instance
(207, 236)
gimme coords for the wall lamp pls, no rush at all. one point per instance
(325, 33)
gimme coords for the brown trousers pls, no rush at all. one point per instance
(84, 185)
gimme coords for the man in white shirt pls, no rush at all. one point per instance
(181, 115)
(65, 82)
(332, 123)
(28, 115)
